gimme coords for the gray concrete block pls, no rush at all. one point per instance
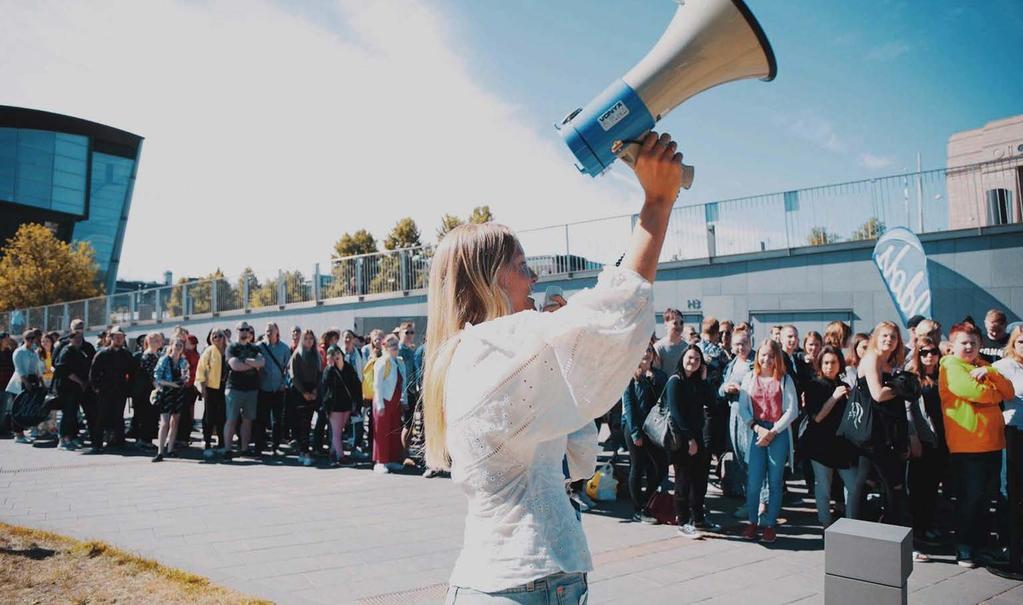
(847, 591)
(872, 552)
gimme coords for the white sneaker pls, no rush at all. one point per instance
(689, 531)
(381, 468)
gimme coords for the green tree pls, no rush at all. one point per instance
(820, 236)
(200, 295)
(872, 229)
(296, 289)
(351, 244)
(404, 234)
(481, 214)
(447, 223)
(37, 269)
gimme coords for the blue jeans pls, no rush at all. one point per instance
(767, 463)
(556, 589)
(822, 476)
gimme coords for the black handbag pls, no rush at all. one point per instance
(857, 424)
(659, 426)
(29, 408)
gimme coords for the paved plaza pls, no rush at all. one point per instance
(302, 535)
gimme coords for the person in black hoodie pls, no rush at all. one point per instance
(341, 391)
(112, 376)
(826, 396)
(645, 458)
(688, 394)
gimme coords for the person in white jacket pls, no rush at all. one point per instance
(509, 392)
(390, 399)
(767, 406)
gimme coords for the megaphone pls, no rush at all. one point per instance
(708, 42)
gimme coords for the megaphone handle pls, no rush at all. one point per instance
(630, 152)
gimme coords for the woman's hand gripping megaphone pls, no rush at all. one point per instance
(652, 145)
(659, 168)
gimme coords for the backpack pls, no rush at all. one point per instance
(857, 424)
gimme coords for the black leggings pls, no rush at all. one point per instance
(645, 461)
(691, 473)
(214, 414)
(300, 412)
(924, 477)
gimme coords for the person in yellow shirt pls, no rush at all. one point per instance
(971, 391)
(209, 381)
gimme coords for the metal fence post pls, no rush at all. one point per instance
(316, 283)
(282, 298)
(184, 301)
(245, 292)
(213, 297)
(132, 307)
(158, 307)
(85, 312)
(65, 320)
(403, 267)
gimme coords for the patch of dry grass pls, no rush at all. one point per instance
(42, 567)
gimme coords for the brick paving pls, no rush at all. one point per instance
(303, 535)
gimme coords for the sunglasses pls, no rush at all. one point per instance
(410, 331)
(249, 330)
(926, 352)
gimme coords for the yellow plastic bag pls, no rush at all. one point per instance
(603, 486)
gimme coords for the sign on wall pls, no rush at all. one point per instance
(901, 260)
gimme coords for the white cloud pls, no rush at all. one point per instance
(267, 135)
(820, 132)
(875, 162)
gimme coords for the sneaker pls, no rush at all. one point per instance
(993, 558)
(22, 439)
(67, 446)
(429, 473)
(95, 450)
(689, 531)
(158, 458)
(381, 468)
(769, 535)
(749, 532)
(919, 557)
(643, 518)
(308, 461)
(707, 526)
(583, 506)
(964, 558)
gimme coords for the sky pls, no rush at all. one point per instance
(272, 127)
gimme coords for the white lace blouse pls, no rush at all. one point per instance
(521, 394)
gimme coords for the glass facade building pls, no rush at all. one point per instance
(71, 175)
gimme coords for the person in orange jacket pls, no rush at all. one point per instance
(971, 391)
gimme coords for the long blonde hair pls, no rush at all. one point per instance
(464, 287)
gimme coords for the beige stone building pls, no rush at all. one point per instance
(988, 194)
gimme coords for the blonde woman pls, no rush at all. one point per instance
(510, 393)
(390, 399)
(888, 449)
(210, 378)
(171, 379)
(767, 406)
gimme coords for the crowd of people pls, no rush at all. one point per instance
(942, 406)
(745, 411)
(337, 395)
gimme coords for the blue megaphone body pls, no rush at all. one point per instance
(708, 42)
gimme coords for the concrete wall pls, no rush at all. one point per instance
(970, 272)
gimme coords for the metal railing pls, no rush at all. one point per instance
(926, 202)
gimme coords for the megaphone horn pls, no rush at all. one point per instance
(708, 42)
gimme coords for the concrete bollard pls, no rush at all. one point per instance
(867, 563)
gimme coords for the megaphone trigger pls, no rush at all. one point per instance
(628, 151)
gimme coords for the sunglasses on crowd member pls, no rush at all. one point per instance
(926, 352)
(410, 331)
(249, 330)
